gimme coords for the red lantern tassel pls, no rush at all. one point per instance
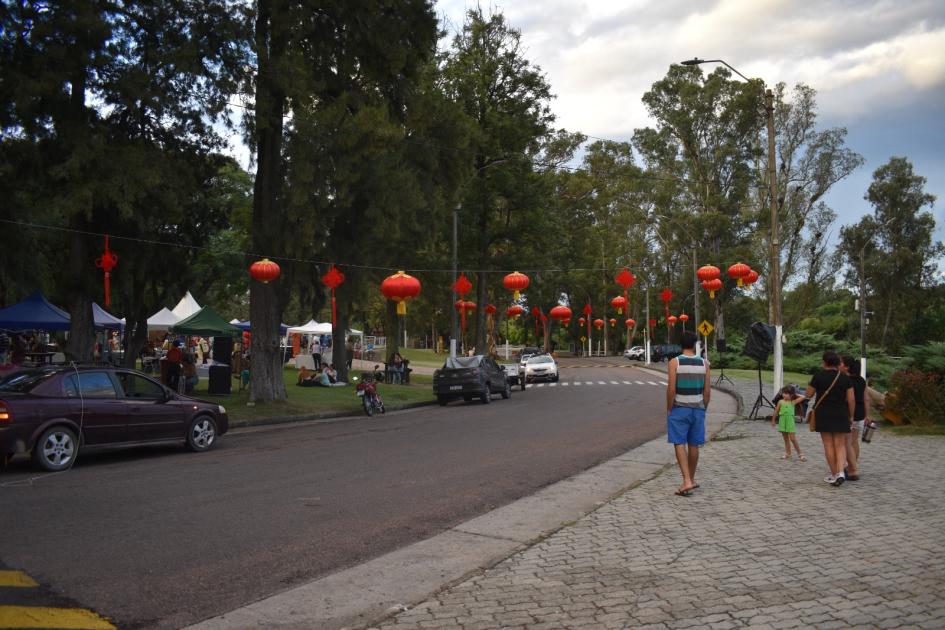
(334, 309)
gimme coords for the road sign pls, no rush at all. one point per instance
(706, 328)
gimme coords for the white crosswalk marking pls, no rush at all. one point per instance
(542, 384)
(627, 383)
(577, 382)
(640, 383)
(565, 384)
(663, 383)
(601, 382)
(588, 382)
(551, 384)
(614, 383)
(652, 383)
(528, 385)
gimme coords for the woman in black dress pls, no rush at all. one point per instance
(851, 367)
(835, 407)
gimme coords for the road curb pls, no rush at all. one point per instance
(375, 590)
(328, 416)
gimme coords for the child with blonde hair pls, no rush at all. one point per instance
(784, 416)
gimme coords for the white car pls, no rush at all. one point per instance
(541, 367)
(636, 352)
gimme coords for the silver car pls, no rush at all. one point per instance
(541, 368)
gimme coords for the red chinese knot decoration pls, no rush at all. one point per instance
(333, 279)
(106, 262)
(625, 279)
(462, 286)
(516, 283)
(264, 270)
(400, 288)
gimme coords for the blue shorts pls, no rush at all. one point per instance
(686, 425)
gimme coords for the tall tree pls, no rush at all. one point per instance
(507, 99)
(897, 247)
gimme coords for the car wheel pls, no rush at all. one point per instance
(555, 379)
(201, 434)
(442, 400)
(507, 392)
(56, 449)
(486, 395)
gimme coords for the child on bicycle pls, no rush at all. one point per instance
(783, 414)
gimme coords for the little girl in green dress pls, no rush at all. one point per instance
(784, 415)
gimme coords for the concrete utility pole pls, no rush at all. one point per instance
(454, 323)
(863, 312)
(646, 326)
(774, 273)
(695, 299)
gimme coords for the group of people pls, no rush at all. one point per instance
(327, 376)
(838, 412)
(13, 348)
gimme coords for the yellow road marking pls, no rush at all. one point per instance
(16, 579)
(63, 618)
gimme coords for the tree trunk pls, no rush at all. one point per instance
(80, 345)
(391, 329)
(265, 307)
(339, 340)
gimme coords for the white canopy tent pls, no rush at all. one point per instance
(310, 328)
(162, 320)
(186, 307)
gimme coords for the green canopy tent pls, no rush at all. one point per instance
(207, 323)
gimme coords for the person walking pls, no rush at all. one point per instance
(687, 397)
(174, 358)
(861, 411)
(832, 413)
(783, 416)
(316, 353)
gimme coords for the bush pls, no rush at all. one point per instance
(919, 397)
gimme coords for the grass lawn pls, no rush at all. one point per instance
(908, 429)
(314, 400)
(766, 375)
(426, 358)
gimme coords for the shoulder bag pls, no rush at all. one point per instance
(812, 421)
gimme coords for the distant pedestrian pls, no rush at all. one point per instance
(833, 413)
(5, 344)
(174, 358)
(861, 410)
(317, 353)
(783, 417)
(204, 350)
(687, 397)
(349, 353)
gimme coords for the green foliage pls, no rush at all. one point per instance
(927, 358)
(918, 396)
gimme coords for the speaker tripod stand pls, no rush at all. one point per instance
(761, 401)
(722, 376)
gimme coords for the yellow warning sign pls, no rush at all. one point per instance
(705, 328)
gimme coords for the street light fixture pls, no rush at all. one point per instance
(774, 274)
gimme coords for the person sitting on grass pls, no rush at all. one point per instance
(307, 379)
(396, 367)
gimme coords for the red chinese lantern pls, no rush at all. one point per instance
(514, 311)
(739, 271)
(333, 279)
(490, 309)
(106, 262)
(516, 283)
(684, 318)
(619, 303)
(560, 313)
(630, 322)
(598, 323)
(751, 278)
(400, 288)
(708, 272)
(652, 323)
(672, 320)
(712, 286)
(581, 321)
(613, 322)
(264, 270)
(566, 321)
(469, 306)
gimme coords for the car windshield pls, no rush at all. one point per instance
(543, 359)
(24, 381)
(455, 363)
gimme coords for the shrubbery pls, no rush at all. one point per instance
(918, 396)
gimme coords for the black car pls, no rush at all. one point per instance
(665, 351)
(51, 413)
(470, 377)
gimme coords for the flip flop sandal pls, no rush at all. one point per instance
(684, 493)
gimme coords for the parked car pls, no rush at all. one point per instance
(527, 353)
(541, 368)
(470, 377)
(665, 351)
(636, 353)
(52, 413)
(515, 374)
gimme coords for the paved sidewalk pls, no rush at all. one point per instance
(763, 543)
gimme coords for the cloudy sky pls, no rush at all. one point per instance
(878, 67)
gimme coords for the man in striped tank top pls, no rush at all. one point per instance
(687, 396)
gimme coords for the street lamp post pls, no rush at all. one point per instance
(774, 274)
(454, 323)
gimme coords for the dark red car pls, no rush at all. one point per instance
(52, 413)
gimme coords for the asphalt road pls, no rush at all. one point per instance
(162, 538)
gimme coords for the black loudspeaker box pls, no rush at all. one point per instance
(223, 349)
(220, 381)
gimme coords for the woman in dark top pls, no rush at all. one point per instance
(851, 368)
(834, 413)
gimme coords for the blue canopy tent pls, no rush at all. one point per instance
(34, 313)
(247, 326)
(105, 320)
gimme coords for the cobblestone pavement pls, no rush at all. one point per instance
(763, 543)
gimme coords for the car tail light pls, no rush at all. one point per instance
(6, 414)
